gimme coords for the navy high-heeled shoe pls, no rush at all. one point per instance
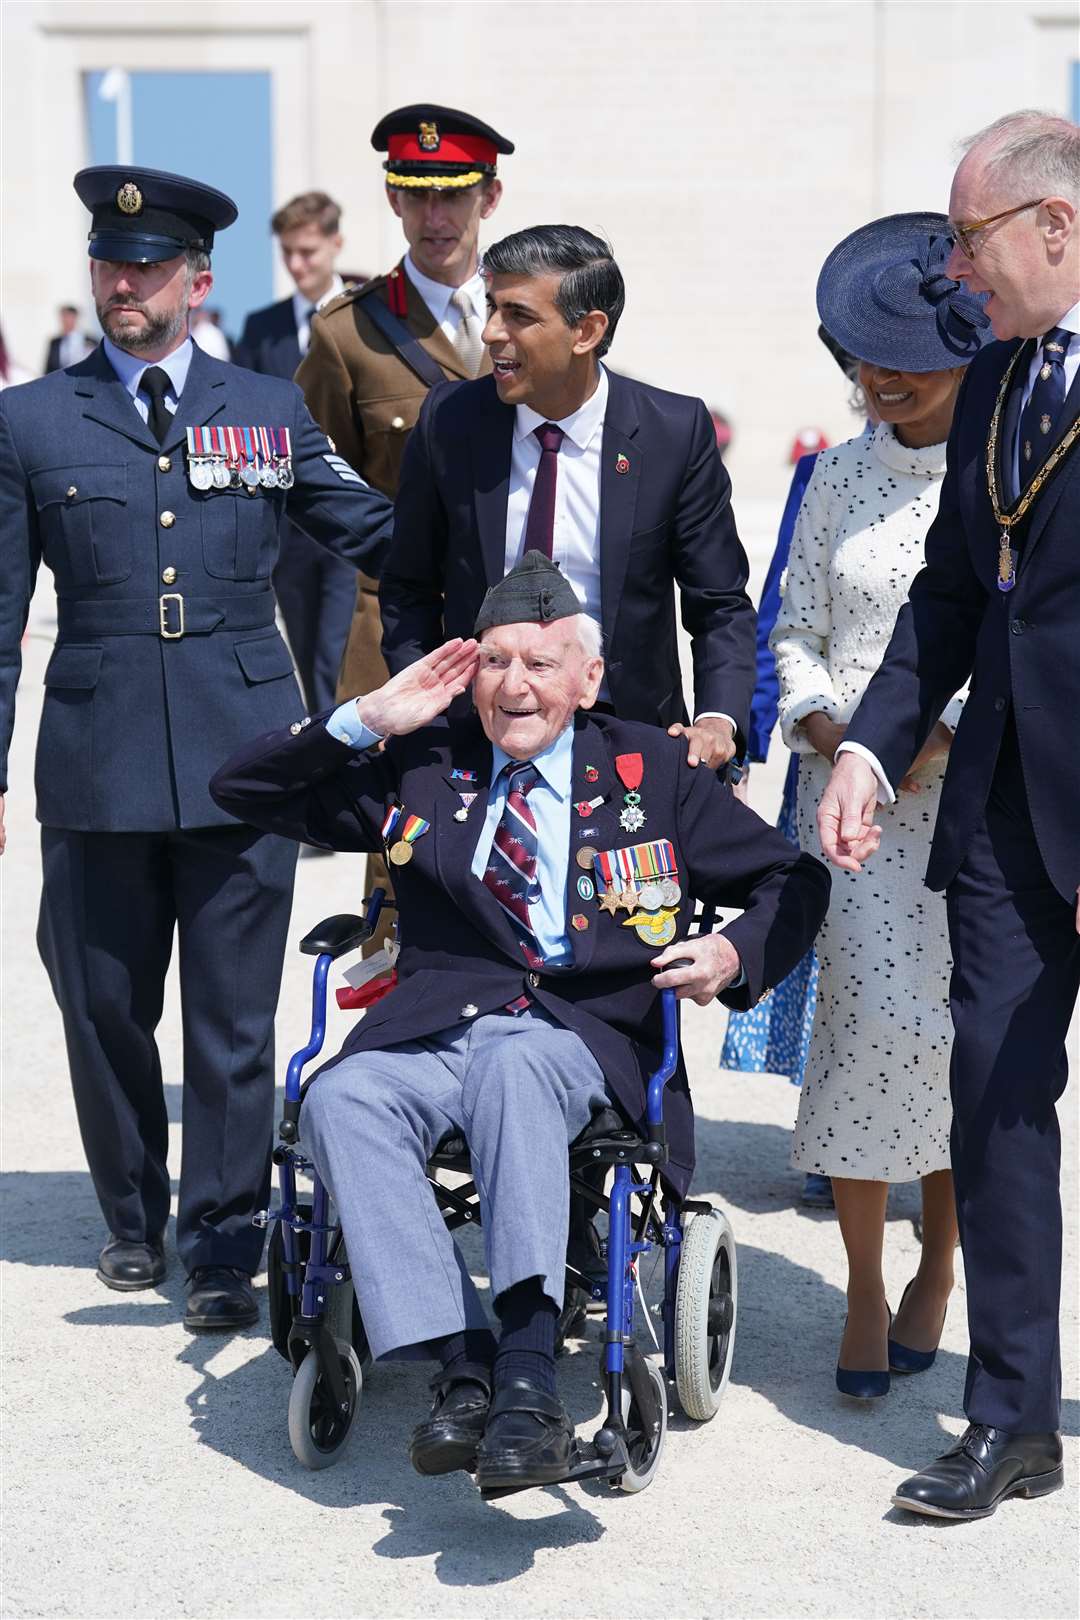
(863, 1385)
(902, 1359)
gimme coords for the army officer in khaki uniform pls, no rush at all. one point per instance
(376, 350)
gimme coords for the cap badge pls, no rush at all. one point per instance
(429, 137)
(622, 464)
(129, 199)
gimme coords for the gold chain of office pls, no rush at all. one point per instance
(1006, 520)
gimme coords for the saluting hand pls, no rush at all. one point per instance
(414, 697)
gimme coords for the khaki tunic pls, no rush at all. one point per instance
(367, 399)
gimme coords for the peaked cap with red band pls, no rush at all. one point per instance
(437, 147)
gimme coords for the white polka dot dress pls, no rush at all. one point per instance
(875, 1101)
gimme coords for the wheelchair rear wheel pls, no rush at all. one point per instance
(706, 1305)
(318, 1432)
(644, 1442)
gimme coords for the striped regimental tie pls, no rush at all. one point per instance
(510, 874)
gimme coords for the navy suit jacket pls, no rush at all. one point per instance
(268, 343)
(1020, 648)
(133, 724)
(457, 946)
(666, 521)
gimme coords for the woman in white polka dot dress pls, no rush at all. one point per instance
(874, 1106)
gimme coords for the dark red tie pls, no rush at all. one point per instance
(540, 527)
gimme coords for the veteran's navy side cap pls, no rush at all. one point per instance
(535, 592)
(143, 216)
(434, 147)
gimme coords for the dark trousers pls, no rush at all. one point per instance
(316, 592)
(110, 904)
(1016, 972)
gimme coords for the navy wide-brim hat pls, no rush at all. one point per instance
(883, 295)
(144, 216)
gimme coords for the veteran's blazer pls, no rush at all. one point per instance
(135, 721)
(457, 947)
(1020, 648)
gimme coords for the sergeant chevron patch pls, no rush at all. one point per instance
(347, 474)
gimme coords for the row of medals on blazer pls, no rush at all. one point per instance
(641, 879)
(1006, 577)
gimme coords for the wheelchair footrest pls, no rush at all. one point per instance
(588, 1464)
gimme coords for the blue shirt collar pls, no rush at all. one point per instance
(555, 764)
(130, 367)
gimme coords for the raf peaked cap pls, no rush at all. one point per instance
(143, 216)
(437, 147)
(534, 592)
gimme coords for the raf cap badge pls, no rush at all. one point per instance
(129, 199)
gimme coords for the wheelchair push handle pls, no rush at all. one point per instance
(654, 1110)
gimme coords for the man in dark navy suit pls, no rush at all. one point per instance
(315, 590)
(154, 481)
(69, 346)
(621, 484)
(998, 603)
(545, 863)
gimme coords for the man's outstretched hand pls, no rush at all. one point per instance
(846, 814)
(414, 697)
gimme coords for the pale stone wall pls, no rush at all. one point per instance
(724, 147)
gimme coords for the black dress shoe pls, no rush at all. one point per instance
(220, 1300)
(983, 1468)
(529, 1439)
(126, 1266)
(448, 1439)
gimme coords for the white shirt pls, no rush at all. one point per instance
(1071, 322)
(301, 304)
(210, 338)
(129, 368)
(437, 296)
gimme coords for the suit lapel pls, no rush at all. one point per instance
(204, 397)
(598, 831)
(492, 443)
(107, 400)
(621, 464)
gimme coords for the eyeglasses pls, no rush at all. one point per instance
(964, 233)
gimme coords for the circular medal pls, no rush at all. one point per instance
(220, 475)
(658, 930)
(201, 475)
(650, 898)
(670, 893)
(401, 853)
(234, 477)
(586, 887)
(249, 475)
(285, 476)
(585, 857)
(461, 815)
(267, 476)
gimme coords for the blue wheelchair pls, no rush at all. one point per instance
(316, 1323)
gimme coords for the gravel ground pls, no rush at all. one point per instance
(148, 1472)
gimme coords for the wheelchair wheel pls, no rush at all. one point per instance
(644, 1443)
(318, 1432)
(342, 1312)
(706, 1305)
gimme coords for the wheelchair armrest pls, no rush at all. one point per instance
(336, 935)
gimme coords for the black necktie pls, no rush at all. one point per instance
(155, 385)
(1040, 414)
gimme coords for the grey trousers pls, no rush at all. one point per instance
(519, 1089)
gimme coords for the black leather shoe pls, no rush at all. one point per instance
(983, 1468)
(448, 1439)
(220, 1300)
(127, 1266)
(529, 1439)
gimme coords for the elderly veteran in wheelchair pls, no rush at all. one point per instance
(546, 860)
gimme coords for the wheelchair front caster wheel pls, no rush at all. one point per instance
(318, 1432)
(706, 1308)
(644, 1441)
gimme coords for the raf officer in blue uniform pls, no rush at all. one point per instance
(154, 481)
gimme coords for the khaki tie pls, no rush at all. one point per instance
(467, 340)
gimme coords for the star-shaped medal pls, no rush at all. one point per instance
(610, 901)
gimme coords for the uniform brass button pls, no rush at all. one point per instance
(398, 424)
(168, 576)
(73, 490)
(167, 519)
(295, 728)
(534, 980)
(164, 464)
(469, 1010)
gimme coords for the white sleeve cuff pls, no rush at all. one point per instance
(346, 725)
(885, 792)
(715, 714)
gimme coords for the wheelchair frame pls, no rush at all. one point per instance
(626, 1448)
